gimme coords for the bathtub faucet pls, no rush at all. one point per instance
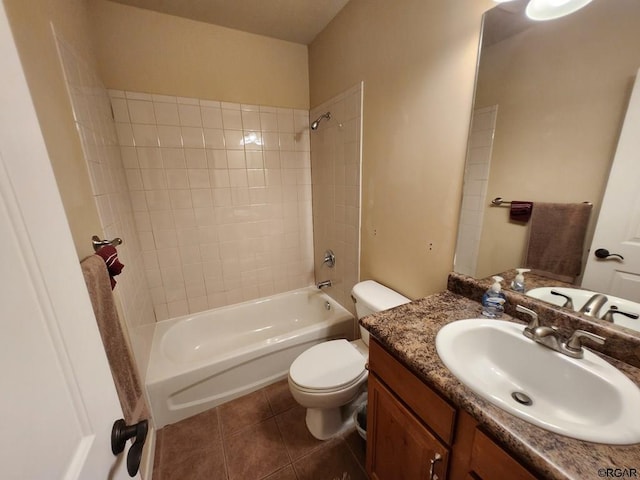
(321, 285)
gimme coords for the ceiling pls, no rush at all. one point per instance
(296, 21)
(505, 20)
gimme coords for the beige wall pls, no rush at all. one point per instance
(30, 23)
(417, 60)
(146, 51)
(561, 88)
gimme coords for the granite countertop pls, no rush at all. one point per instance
(409, 331)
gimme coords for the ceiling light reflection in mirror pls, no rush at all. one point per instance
(543, 10)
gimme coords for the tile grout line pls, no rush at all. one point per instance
(223, 444)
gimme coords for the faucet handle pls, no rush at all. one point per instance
(568, 300)
(574, 344)
(533, 322)
(608, 317)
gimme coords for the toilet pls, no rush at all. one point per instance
(330, 379)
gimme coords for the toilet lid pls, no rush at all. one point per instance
(327, 366)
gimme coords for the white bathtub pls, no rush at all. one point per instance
(203, 360)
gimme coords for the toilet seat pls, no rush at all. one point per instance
(328, 367)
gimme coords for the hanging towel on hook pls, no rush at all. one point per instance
(110, 256)
(556, 239)
(116, 344)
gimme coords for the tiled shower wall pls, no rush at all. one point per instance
(92, 112)
(336, 170)
(221, 194)
(474, 195)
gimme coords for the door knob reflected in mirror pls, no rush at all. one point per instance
(604, 254)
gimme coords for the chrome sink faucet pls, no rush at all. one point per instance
(593, 305)
(550, 338)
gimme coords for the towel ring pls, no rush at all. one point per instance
(98, 243)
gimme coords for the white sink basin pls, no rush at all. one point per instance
(580, 297)
(588, 399)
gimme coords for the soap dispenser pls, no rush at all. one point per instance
(493, 300)
(518, 283)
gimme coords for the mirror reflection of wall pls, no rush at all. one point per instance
(561, 89)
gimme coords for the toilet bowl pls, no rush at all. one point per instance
(330, 379)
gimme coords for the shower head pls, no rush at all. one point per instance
(315, 124)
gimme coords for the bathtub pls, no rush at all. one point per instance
(202, 360)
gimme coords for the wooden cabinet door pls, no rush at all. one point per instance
(399, 446)
(490, 462)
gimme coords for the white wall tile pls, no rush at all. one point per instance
(138, 96)
(149, 157)
(214, 138)
(231, 119)
(285, 120)
(217, 159)
(209, 103)
(201, 198)
(269, 121)
(125, 134)
(234, 139)
(195, 158)
(236, 159)
(169, 136)
(188, 100)
(120, 110)
(188, 199)
(211, 117)
(163, 98)
(145, 135)
(192, 137)
(190, 115)
(251, 119)
(141, 111)
(177, 178)
(173, 157)
(129, 157)
(198, 177)
(153, 179)
(166, 113)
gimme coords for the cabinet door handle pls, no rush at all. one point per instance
(437, 457)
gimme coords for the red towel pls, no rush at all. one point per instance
(110, 256)
(520, 211)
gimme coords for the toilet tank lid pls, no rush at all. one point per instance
(377, 297)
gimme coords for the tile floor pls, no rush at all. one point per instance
(261, 436)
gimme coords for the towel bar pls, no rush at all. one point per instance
(498, 202)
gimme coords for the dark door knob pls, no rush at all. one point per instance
(120, 433)
(604, 253)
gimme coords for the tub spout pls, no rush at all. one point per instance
(321, 285)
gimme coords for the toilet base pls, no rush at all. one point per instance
(325, 423)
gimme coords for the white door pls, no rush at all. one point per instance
(618, 227)
(57, 397)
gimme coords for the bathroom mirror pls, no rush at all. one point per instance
(549, 105)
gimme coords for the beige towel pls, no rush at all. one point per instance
(556, 239)
(119, 355)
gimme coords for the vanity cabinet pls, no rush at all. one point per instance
(415, 434)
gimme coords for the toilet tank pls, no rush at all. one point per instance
(371, 297)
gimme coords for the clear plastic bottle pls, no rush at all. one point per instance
(493, 300)
(518, 283)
